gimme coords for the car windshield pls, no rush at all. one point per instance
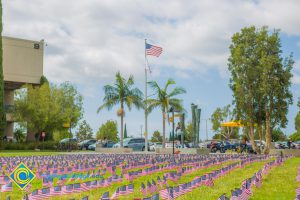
(125, 141)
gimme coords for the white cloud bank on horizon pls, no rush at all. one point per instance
(90, 40)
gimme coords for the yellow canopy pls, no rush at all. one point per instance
(232, 124)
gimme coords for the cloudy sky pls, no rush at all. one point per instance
(89, 41)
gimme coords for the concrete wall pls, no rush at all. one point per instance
(294, 152)
(183, 151)
(22, 60)
(113, 150)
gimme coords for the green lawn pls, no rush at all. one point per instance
(9, 153)
(224, 184)
(280, 183)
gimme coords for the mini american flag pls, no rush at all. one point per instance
(123, 190)
(164, 193)
(130, 188)
(116, 194)
(7, 187)
(45, 193)
(105, 196)
(67, 189)
(143, 189)
(55, 191)
(152, 50)
(223, 197)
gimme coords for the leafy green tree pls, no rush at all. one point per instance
(156, 137)
(109, 131)
(123, 93)
(84, 131)
(295, 136)
(297, 118)
(221, 115)
(278, 135)
(260, 81)
(164, 101)
(47, 107)
(58, 135)
(2, 110)
(19, 135)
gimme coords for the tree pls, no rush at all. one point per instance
(47, 107)
(125, 132)
(123, 93)
(84, 131)
(164, 101)
(221, 115)
(278, 135)
(156, 137)
(2, 110)
(19, 134)
(260, 81)
(297, 118)
(109, 131)
(295, 136)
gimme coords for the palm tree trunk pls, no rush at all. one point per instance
(122, 119)
(164, 131)
(121, 139)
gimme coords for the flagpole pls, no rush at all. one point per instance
(146, 114)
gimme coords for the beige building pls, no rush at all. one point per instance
(22, 63)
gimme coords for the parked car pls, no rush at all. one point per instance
(152, 146)
(86, 143)
(67, 144)
(281, 145)
(109, 144)
(137, 144)
(67, 140)
(296, 144)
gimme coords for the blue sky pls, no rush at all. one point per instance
(89, 41)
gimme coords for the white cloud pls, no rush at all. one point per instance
(90, 40)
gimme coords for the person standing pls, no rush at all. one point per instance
(289, 143)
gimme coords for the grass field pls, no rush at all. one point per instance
(7, 153)
(279, 183)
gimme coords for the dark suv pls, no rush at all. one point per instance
(86, 143)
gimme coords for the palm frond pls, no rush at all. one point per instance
(177, 91)
(169, 82)
(152, 104)
(109, 104)
(177, 104)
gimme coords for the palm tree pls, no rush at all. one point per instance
(122, 93)
(164, 100)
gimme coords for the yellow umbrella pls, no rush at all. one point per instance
(232, 124)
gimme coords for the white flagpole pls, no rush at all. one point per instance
(146, 114)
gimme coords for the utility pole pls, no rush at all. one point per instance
(141, 131)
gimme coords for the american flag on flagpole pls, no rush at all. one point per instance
(152, 50)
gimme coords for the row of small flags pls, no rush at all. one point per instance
(115, 178)
(124, 190)
(298, 189)
(245, 191)
(77, 163)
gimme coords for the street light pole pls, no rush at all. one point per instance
(173, 126)
(206, 131)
